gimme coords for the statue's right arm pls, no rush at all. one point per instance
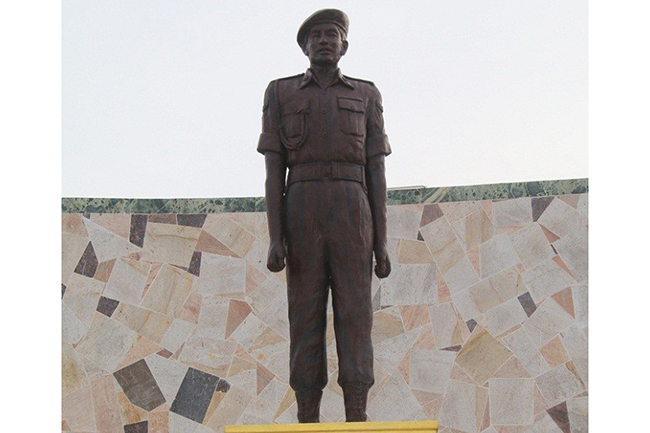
(276, 167)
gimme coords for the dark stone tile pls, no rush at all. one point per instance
(223, 386)
(452, 348)
(420, 238)
(192, 220)
(554, 250)
(194, 395)
(165, 218)
(107, 306)
(88, 263)
(63, 287)
(527, 303)
(471, 324)
(430, 213)
(138, 229)
(195, 264)
(560, 415)
(164, 353)
(539, 205)
(139, 385)
(138, 427)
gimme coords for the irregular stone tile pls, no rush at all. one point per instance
(547, 322)
(264, 377)
(143, 321)
(81, 296)
(448, 327)
(539, 205)
(512, 369)
(106, 244)
(127, 281)
(557, 259)
(209, 244)
(390, 352)
(552, 237)
(570, 199)
(143, 348)
(523, 347)
(562, 219)
(230, 409)
(106, 343)
(460, 275)
(169, 290)
(269, 303)
(482, 355)
(441, 240)
(191, 220)
(413, 252)
(583, 204)
(395, 401)
(463, 406)
(404, 367)
(263, 408)
(163, 218)
(564, 299)
(497, 254)
(208, 354)
(554, 352)
(107, 409)
(115, 222)
(420, 280)
(237, 312)
(77, 410)
(574, 250)
(73, 376)
(130, 413)
(430, 213)
(171, 244)
(386, 324)
(73, 224)
(194, 395)
(88, 263)
(531, 245)
(243, 373)
(559, 384)
(176, 334)
(430, 370)
(159, 422)
(137, 229)
(560, 415)
(107, 306)
(471, 324)
(223, 276)
(512, 212)
(254, 222)
(228, 232)
(249, 330)
(425, 340)
(257, 256)
(466, 305)
(212, 317)
(404, 221)
(527, 303)
(195, 264)
(494, 291)
(576, 343)
(544, 425)
(511, 401)
(272, 350)
(503, 317)
(104, 270)
(474, 229)
(72, 329)
(140, 386)
(456, 210)
(140, 427)
(414, 316)
(546, 279)
(168, 375)
(578, 414)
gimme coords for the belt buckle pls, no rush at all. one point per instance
(327, 169)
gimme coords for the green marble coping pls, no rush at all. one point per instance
(396, 196)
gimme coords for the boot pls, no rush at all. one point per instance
(355, 396)
(309, 405)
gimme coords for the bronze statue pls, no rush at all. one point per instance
(330, 214)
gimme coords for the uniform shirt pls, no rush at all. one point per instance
(306, 123)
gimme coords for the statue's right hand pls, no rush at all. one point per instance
(275, 260)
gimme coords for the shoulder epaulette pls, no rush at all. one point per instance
(359, 79)
(288, 78)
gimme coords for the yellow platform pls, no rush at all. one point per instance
(369, 427)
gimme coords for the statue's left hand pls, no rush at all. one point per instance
(382, 268)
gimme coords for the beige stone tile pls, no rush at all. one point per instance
(414, 316)
(456, 210)
(108, 245)
(159, 422)
(413, 252)
(544, 425)
(430, 370)
(104, 270)
(512, 369)
(580, 303)
(73, 223)
(249, 330)
(410, 285)
(526, 352)
(439, 236)
(404, 221)
(474, 229)
(576, 343)
(168, 374)
(546, 322)
(127, 281)
(272, 350)
(496, 290)
(562, 219)
(386, 324)
(73, 376)
(169, 290)
(106, 343)
(578, 409)
(263, 408)
(554, 352)
(449, 329)
(482, 355)
(209, 244)
(504, 316)
(107, 409)
(496, 255)
(546, 279)
(208, 354)
(531, 245)
(395, 402)
(460, 275)
(583, 204)
(176, 334)
(147, 323)
(120, 224)
(257, 256)
(169, 243)
(511, 401)
(559, 384)
(81, 296)
(465, 305)
(254, 222)
(574, 250)
(512, 212)
(223, 276)
(228, 232)
(72, 248)
(143, 348)
(230, 409)
(269, 303)
(191, 309)
(130, 413)
(243, 373)
(77, 410)
(463, 406)
(390, 352)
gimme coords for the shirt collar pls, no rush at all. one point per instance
(309, 76)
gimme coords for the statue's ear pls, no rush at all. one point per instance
(345, 48)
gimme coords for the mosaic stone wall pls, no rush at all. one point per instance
(171, 322)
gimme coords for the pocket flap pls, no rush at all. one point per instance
(295, 107)
(351, 104)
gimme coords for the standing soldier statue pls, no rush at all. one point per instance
(330, 215)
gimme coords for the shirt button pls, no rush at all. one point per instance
(324, 111)
(324, 134)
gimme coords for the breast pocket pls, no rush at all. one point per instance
(352, 116)
(293, 130)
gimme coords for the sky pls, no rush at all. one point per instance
(163, 98)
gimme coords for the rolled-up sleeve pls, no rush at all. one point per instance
(377, 140)
(270, 138)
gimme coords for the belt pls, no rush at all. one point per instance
(329, 170)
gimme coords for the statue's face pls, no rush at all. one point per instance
(325, 45)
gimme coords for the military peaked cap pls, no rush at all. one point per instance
(334, 16)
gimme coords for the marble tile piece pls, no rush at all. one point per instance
(127, 281)
(439, 236)
(144, 322)
(583, 204)
(496, 255)
(578, 414)
(73, 376)
(138, 427)
(140, 386)
(463, 406)
(448, 327)
(390, 352)
(195, 264)
(430, 213)
(574, 250)
(191, 309)
(108, 245)
(73, 224)
(212, 317)
(168, 375)
(410, 285)
(386, 324)
(107, 409)
(254, 222)
(497, 289)
(414, 316)
(230, 409)
(512, 369)
(257, 256)
(560, 415)
(194, 395)
(191, 220)
(546, 279)
(544, 425)
(559, 384)
(82, 296)
(72, 329)
(104, 270)
(88, 262)
(511, 401)
(269, 303)
(209, 244)
(562, 219)
(169, 290)
(208, 354)
(430, 370)
(512, 212)
(143, 348)
(223, 276)
(554, 352)
(272, 351)
(474, 229)
(505, 316)
(163, 218)
(413, 252)
(547, 322)
(539, 205)
(262, 409)
(394, 402)
(72, 248)
(531, 245)
(460, 275)
(176, 334)
(229, 233)
(527, 303)
(119, 224)
(525, 350)
(404, 221)
(171, 244)
(243, 373)
(459, 209)
(106, 343)
(137, 229)
(482, 355)
(159, 422)
(575, 340)
(249, 331)
(78, 412)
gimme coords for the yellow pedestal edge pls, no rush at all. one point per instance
(370, 427)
